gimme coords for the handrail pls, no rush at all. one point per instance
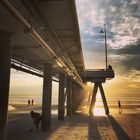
(99, 70)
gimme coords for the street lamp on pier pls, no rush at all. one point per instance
(103, 31)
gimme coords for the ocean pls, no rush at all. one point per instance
(38, 100)
(24, 99)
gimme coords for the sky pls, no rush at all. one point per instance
(122, 20)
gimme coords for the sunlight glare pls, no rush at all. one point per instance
(98, 111)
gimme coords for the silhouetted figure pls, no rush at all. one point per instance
(120, 107)
(109, 67)
(32, 102)
(28, 102)
(36, 118)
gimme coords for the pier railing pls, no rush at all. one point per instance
(98, 74)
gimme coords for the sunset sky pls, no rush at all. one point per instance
(122, 19)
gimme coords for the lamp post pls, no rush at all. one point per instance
(104, 31)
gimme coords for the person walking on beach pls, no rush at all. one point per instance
(28, 102)
(120, 107)
(36, 118)
(32, 102)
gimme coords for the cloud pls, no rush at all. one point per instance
(128, 56)
(132, 49)
(134, 85)
(121, 17)
(122, 20)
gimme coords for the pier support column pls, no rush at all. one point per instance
(93, 99)
(72, 96)
(104, 99)
(5, 58)
(47, 96)
(74, 90)
(61, 97)
(68, 90)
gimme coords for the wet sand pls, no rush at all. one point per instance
(80, 126)
(21, 110)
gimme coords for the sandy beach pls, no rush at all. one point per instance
(80, 126)
(21, 110)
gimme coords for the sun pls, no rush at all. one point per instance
(98, 109)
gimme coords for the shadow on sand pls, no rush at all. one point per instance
(120, 133)
(78, 119)
(93, 132)
(19, 129)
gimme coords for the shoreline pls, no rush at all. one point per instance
(23, 110)
(20, 110)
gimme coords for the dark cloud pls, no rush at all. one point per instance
(132, 49)
(131, 53)
(132, 64)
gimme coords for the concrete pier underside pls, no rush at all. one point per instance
(45, 41)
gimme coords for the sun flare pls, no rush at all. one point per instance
(98, 111)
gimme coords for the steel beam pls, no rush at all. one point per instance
(29, 71)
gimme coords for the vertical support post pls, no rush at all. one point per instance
(5, 58)
(105, 47)
(61, 97)
(68, 90)
(93, 100)
(47, 95)
(76, 96)
(73, 97)
(104, 99)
